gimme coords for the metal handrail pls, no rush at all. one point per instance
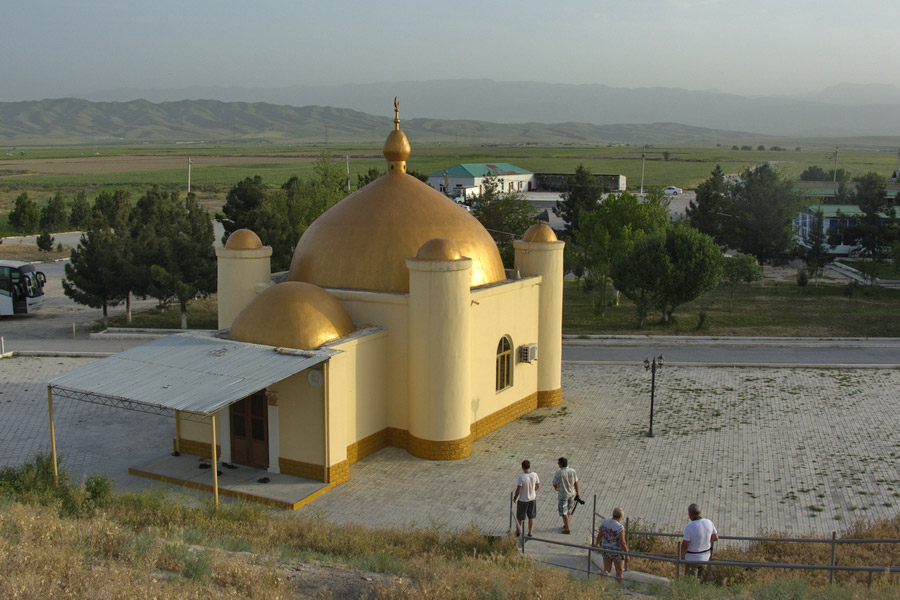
(678, 561)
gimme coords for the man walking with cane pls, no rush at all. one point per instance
(527, 486)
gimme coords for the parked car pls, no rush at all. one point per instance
(673, 191)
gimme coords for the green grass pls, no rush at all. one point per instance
(202, 313)
(686, 167)
(776, 309)
(880, 270)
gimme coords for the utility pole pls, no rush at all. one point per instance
(189, 175)
(643, 155)
(834, 179)
(347, 156)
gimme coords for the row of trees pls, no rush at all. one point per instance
(629, 242)
(161, 248)
(57, 214)
(755, 213)
(280, 216)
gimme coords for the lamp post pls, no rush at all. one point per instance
(651, 365)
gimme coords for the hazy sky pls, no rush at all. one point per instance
(52, 49)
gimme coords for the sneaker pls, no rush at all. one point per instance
(528, 534)
(566, 531)
(517, 533)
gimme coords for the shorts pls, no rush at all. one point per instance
(526, 509)
(611, 555)
(566, 505)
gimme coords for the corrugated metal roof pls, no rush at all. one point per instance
(193, 371)
(481, 170)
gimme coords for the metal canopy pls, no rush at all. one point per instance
(195, 373)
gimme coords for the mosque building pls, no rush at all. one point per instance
(400, 325)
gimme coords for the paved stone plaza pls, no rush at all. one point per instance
(804, 451)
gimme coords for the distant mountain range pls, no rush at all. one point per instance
(844, 110)
(515, 113)
(73, 121)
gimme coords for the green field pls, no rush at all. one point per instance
(776, 309)
(685, 167)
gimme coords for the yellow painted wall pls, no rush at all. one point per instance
(301, 419)
(439, 342)
(358, 391)
(546, 260)
(390, 312)
(199, 432)
(239, 274)
(507, 309)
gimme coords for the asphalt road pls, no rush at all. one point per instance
(736, 351)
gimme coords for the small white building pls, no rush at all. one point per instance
(466, 179)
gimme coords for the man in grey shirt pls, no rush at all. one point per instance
(565, 482)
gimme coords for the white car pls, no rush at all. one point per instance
(672, 190)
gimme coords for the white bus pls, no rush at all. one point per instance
(21, 288)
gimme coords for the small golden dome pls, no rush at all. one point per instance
(363, 241)
(294, 315)
(243, 239)
(439, 249)
(539, 233)
(396, 147)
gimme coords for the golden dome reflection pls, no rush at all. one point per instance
(363, 241)
(539, 233)
(243, 239)
(439, 249)
(294, 315)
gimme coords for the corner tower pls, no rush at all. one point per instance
(244, 267)
(540, 253)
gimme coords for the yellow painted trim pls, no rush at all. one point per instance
(301, 469)
(339, 473)
(440, 450)
(225, 492)
(508, 414)
(194, 448)
(550, 397)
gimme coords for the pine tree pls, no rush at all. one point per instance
(25, 216)
(80, 212)
(94, 273)
(53, 215)
(583, 194)
(173, 249)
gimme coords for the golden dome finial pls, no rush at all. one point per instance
(396, 114)
(396, 146)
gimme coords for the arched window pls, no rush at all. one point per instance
(504, 363)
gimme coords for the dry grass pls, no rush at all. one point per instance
(30, 253)
(85, 543)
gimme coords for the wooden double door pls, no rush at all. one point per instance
(250, 431)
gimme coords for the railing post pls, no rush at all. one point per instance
(509, 529)
(626, 561)
(833, 547)
(594, 521)
(870, 580)
(678, 560)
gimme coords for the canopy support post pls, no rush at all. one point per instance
(215, 466)
(52, 436)
(178, 431)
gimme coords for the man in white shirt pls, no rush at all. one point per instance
(527, 486)
(699, 534)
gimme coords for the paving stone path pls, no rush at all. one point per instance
(799, 451)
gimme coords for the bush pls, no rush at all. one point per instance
(99, 488)
(802, 278)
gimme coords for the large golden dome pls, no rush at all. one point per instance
(293, 315)
(363, 241)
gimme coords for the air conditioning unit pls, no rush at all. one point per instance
(528, 353)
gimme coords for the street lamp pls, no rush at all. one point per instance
(651, 364)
